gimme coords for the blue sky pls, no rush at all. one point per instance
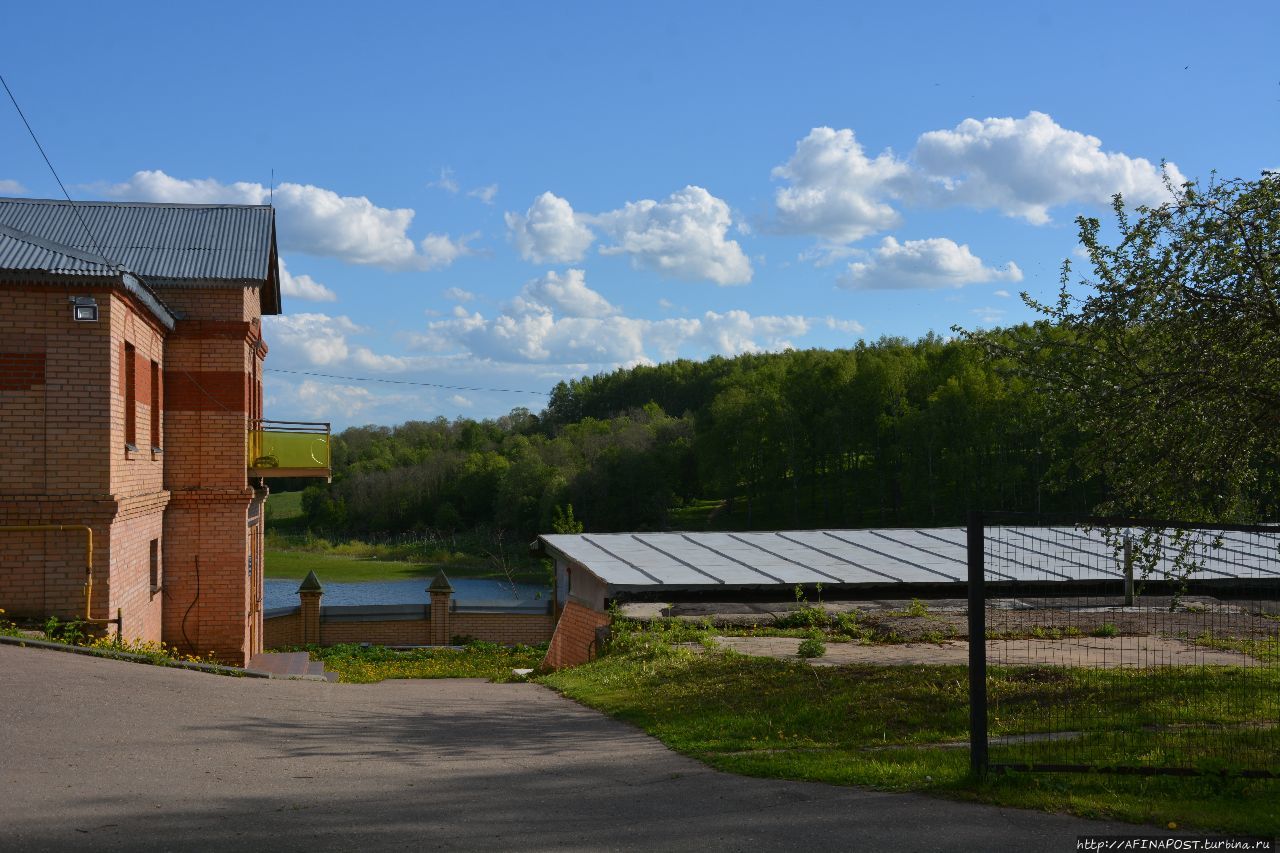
(505, 195)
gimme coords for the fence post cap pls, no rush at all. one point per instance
(311, 583)
(440, 584)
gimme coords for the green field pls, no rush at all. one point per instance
(338, 568)
(285, 505)
(292, 551)
(906, 727)
(296, 564)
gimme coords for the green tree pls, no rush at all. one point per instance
(564, 522)
(1169, 360)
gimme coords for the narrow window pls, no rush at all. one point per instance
(155, 566)
(130, 398)
(155, 406)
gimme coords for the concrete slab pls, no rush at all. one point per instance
(103, 755)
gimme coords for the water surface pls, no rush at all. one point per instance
(474, 591)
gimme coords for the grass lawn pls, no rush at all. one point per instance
(365, 664)
(904, 728)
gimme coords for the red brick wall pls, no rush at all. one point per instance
(206, 552)
(21, 371)
(75, 393)
(573, 642)
(135, 526)
(206, 419)
(405, 632)
(280, 632)
(508, 629)
(62, 426)
(62, 414)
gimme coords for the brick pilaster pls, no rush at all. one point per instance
(441, 592)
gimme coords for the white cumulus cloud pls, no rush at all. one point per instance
(549, 231)
(852, 327)
(1026, 166)
(304, 287)
(321, 400)
(485, 194)
(447, 181)
(835, 191)
(546, 324)
(932, 263)
(311, 339)
(311, 219)
(1023, 167)
(566, 294)
(10, 187)
(682, 236)
(439, 250)
(457, 294)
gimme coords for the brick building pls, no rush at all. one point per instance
(131, 357)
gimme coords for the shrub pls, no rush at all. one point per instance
(811, 648)
(65, 632)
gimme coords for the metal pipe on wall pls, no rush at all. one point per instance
(88, 564)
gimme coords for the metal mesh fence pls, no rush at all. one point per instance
(1125, 645)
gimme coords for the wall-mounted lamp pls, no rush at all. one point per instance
(84, 309)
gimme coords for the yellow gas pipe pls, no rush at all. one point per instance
(88, 563)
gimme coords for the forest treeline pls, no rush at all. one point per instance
(886, 433)
(1150, 387)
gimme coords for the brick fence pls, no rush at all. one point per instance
(442, 622)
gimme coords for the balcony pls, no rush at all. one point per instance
(288, 449)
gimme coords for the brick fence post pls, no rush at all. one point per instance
(441, 591)
(310, 593)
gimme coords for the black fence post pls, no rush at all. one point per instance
(977, 645)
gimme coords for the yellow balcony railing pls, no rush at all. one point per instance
(289, 449)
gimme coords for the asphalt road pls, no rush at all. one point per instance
(105, 755)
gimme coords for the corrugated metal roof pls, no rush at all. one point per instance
(22, 251)
(161, 242)
(634, 561)
(29, 256)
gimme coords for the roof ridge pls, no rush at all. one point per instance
(63, 202)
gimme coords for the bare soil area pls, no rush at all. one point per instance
(899, 621)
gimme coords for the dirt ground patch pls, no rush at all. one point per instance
(1090, 652)
(906, 620)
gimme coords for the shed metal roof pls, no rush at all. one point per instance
(169, 245)
(638, 561)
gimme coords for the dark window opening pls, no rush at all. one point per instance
(130, 398)
(155, 406)
(155, 566)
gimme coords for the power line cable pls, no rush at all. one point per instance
(102, 252)
(404, 382)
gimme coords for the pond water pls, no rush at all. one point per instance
(477, 591)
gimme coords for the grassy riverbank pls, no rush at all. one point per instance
(895, 728)
(292, 551)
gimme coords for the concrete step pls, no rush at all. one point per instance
(290, 665)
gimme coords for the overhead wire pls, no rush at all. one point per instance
(405, 382)
(102, 252)
(92, 237)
